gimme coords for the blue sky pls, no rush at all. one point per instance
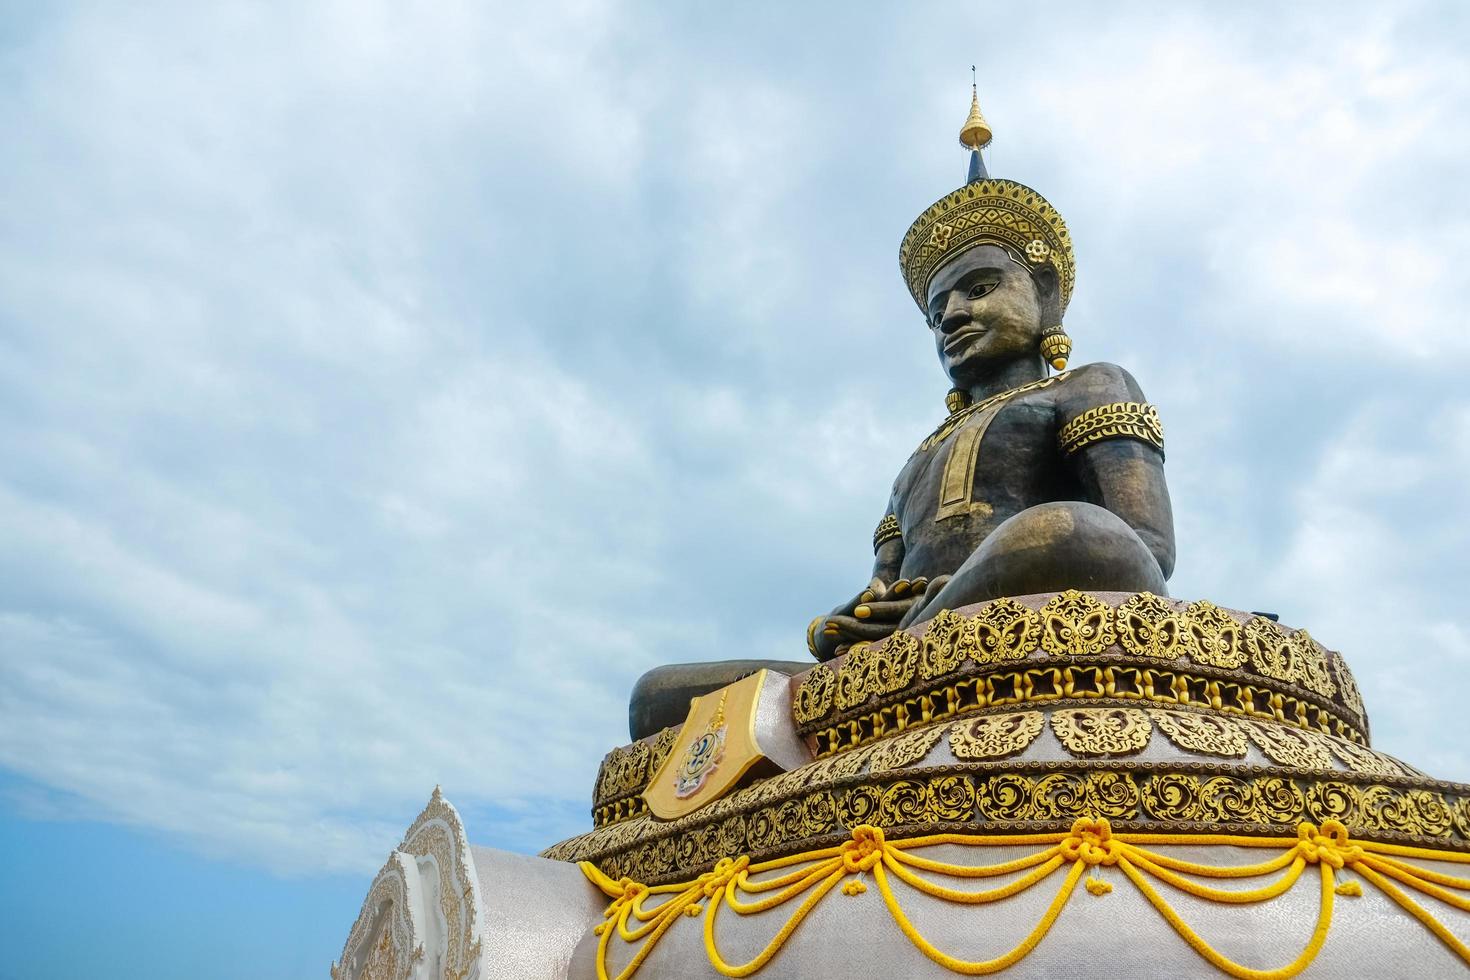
(383, 387)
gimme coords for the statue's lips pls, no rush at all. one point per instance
(953, 344)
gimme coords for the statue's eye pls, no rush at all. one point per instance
(980, 289)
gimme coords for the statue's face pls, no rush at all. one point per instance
(983, 310)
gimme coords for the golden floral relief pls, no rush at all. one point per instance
(1270, 650)
(904, 750)
(1211, 637)
(1147, 626)
(814, 695)
(857, 677)
(1347, 686)
(1075, 623)
(1198, 732)
(939, 648)
(1004, 630)
(663, 744)
(1101, 731)
(1311, 663)
(995, 736)
(1288, 746)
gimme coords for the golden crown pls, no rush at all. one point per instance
(986, 211)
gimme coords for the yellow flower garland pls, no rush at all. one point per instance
(1090, 844)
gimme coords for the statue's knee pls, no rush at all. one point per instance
(655, 700)
(661, 697)
(1068, 545)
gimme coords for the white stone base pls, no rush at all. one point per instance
(443, 910)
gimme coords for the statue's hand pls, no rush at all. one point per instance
(924, 606)
(869, 616)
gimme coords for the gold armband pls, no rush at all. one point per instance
(888, 529)
(1121, 420)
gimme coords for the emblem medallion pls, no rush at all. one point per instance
(702, 757)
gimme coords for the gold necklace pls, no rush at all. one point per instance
(957, 418)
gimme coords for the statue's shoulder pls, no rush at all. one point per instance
(1091, 385)
(1102, 401)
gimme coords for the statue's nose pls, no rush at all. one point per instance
(956, 315)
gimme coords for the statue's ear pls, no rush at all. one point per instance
(1049, 293)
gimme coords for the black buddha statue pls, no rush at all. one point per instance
(1035, 482)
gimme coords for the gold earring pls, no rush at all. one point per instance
(1055, 346)
(957, 399)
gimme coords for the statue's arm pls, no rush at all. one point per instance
(1113, 442)
(1127, 478)
(888, 547)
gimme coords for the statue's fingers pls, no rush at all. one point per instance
(825, 647)
(874, 590)
(858, 630)
(901, 588)
(915, 611)
(883, 612)
(920, 610)
(877, 589)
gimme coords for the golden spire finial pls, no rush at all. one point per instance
(975, 134)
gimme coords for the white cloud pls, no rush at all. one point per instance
(385, 387)
(1371, 556)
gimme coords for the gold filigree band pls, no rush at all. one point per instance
(1083, 732)
(1154, 649)
(887, 530)
(807, 807)
(624, 773)
(1079, 685)
(1120, 420)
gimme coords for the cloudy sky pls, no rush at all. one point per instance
(384, 387)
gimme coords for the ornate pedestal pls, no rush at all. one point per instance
(1054, 785)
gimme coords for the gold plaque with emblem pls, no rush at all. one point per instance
(716, 746)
